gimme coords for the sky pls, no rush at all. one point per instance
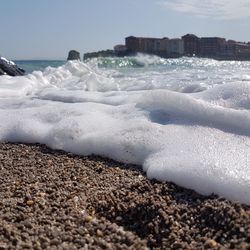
(48, 29)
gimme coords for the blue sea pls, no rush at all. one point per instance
(184, 120)
(31, 65)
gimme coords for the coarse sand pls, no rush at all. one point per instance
(50, 199)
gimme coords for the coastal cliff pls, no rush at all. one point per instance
(102, 53)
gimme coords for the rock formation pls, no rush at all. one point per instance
(102, 53)
(10, 68)
(74, 55)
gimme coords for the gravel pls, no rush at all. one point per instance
(50, 199)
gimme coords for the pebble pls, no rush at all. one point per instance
(88, 218)
(99, 233)
(95, 203)
(29, 202)
(118, 218)
(210, 243)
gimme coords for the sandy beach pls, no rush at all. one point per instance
(55, 200)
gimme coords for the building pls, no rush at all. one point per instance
(242, 51)
(132, 44)
(149, 45)
(191, 44)
(211, 46)
(146, 45)
(232, 50)
(163, 47)
(227, 50)
(175, 47)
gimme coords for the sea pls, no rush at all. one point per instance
(184, 120)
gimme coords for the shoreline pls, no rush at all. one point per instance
(57, 200)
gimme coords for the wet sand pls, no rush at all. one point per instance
(55, 200)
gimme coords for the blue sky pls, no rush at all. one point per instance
(48, 29)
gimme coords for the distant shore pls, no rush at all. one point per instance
(112, 53)
(56, 200)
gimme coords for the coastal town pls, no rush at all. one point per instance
(188, 45)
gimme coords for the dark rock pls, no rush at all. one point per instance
(10, 68)
(74, 55)
(2, 72)
(121, 50)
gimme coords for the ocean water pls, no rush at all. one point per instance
(31, 65)
(184, 120)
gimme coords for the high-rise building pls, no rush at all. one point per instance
(211, 46)
(191, 44)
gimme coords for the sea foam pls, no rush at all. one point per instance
(183, 120)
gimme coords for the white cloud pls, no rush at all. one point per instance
(216, 9)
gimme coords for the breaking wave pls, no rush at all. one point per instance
(183, 120)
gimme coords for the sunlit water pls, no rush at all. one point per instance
(183, 120)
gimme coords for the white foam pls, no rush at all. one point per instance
(141, 115)
(7, 61)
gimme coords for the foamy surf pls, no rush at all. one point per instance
(184, 120)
